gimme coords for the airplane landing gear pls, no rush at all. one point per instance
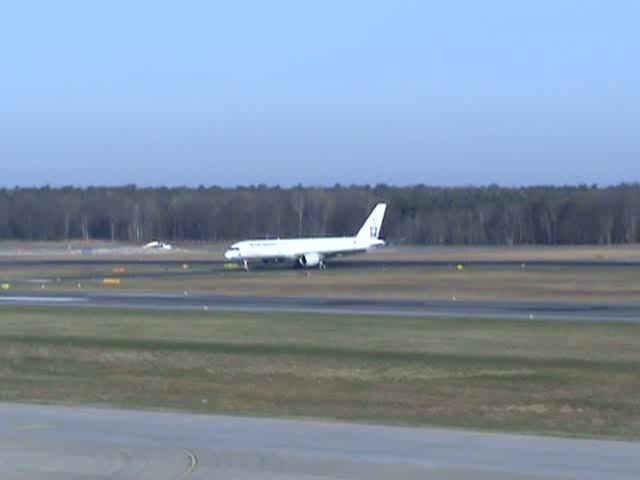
(245, 265)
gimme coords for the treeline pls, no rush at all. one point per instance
(417, 215)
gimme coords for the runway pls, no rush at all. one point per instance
(56, 443)
(163, 268)
(91, 261)
(338, 306)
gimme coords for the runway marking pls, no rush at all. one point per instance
(41, 299)
(33, 426)
(194, 464)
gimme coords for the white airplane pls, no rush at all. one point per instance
(311, 252)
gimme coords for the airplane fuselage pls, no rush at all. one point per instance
(310, 252)
(292, 249)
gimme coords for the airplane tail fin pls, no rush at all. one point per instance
(371, 228)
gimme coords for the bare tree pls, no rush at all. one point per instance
(298, 202)
(417, 214)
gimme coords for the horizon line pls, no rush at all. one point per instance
(336, 185)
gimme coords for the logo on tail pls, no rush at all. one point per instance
(371, 228)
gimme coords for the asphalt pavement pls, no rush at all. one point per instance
(337, 306)
(89, 261)
(79, 443)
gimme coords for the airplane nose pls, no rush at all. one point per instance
(228, 254)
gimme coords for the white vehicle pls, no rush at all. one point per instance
(157, 246)
(311, 252)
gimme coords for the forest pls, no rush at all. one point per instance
(420, 214)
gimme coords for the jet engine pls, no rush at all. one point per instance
(309, 260)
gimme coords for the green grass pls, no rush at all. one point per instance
(198, 250)
(548, 377)
(559, 284)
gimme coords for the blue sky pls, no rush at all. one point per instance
(281, 92)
